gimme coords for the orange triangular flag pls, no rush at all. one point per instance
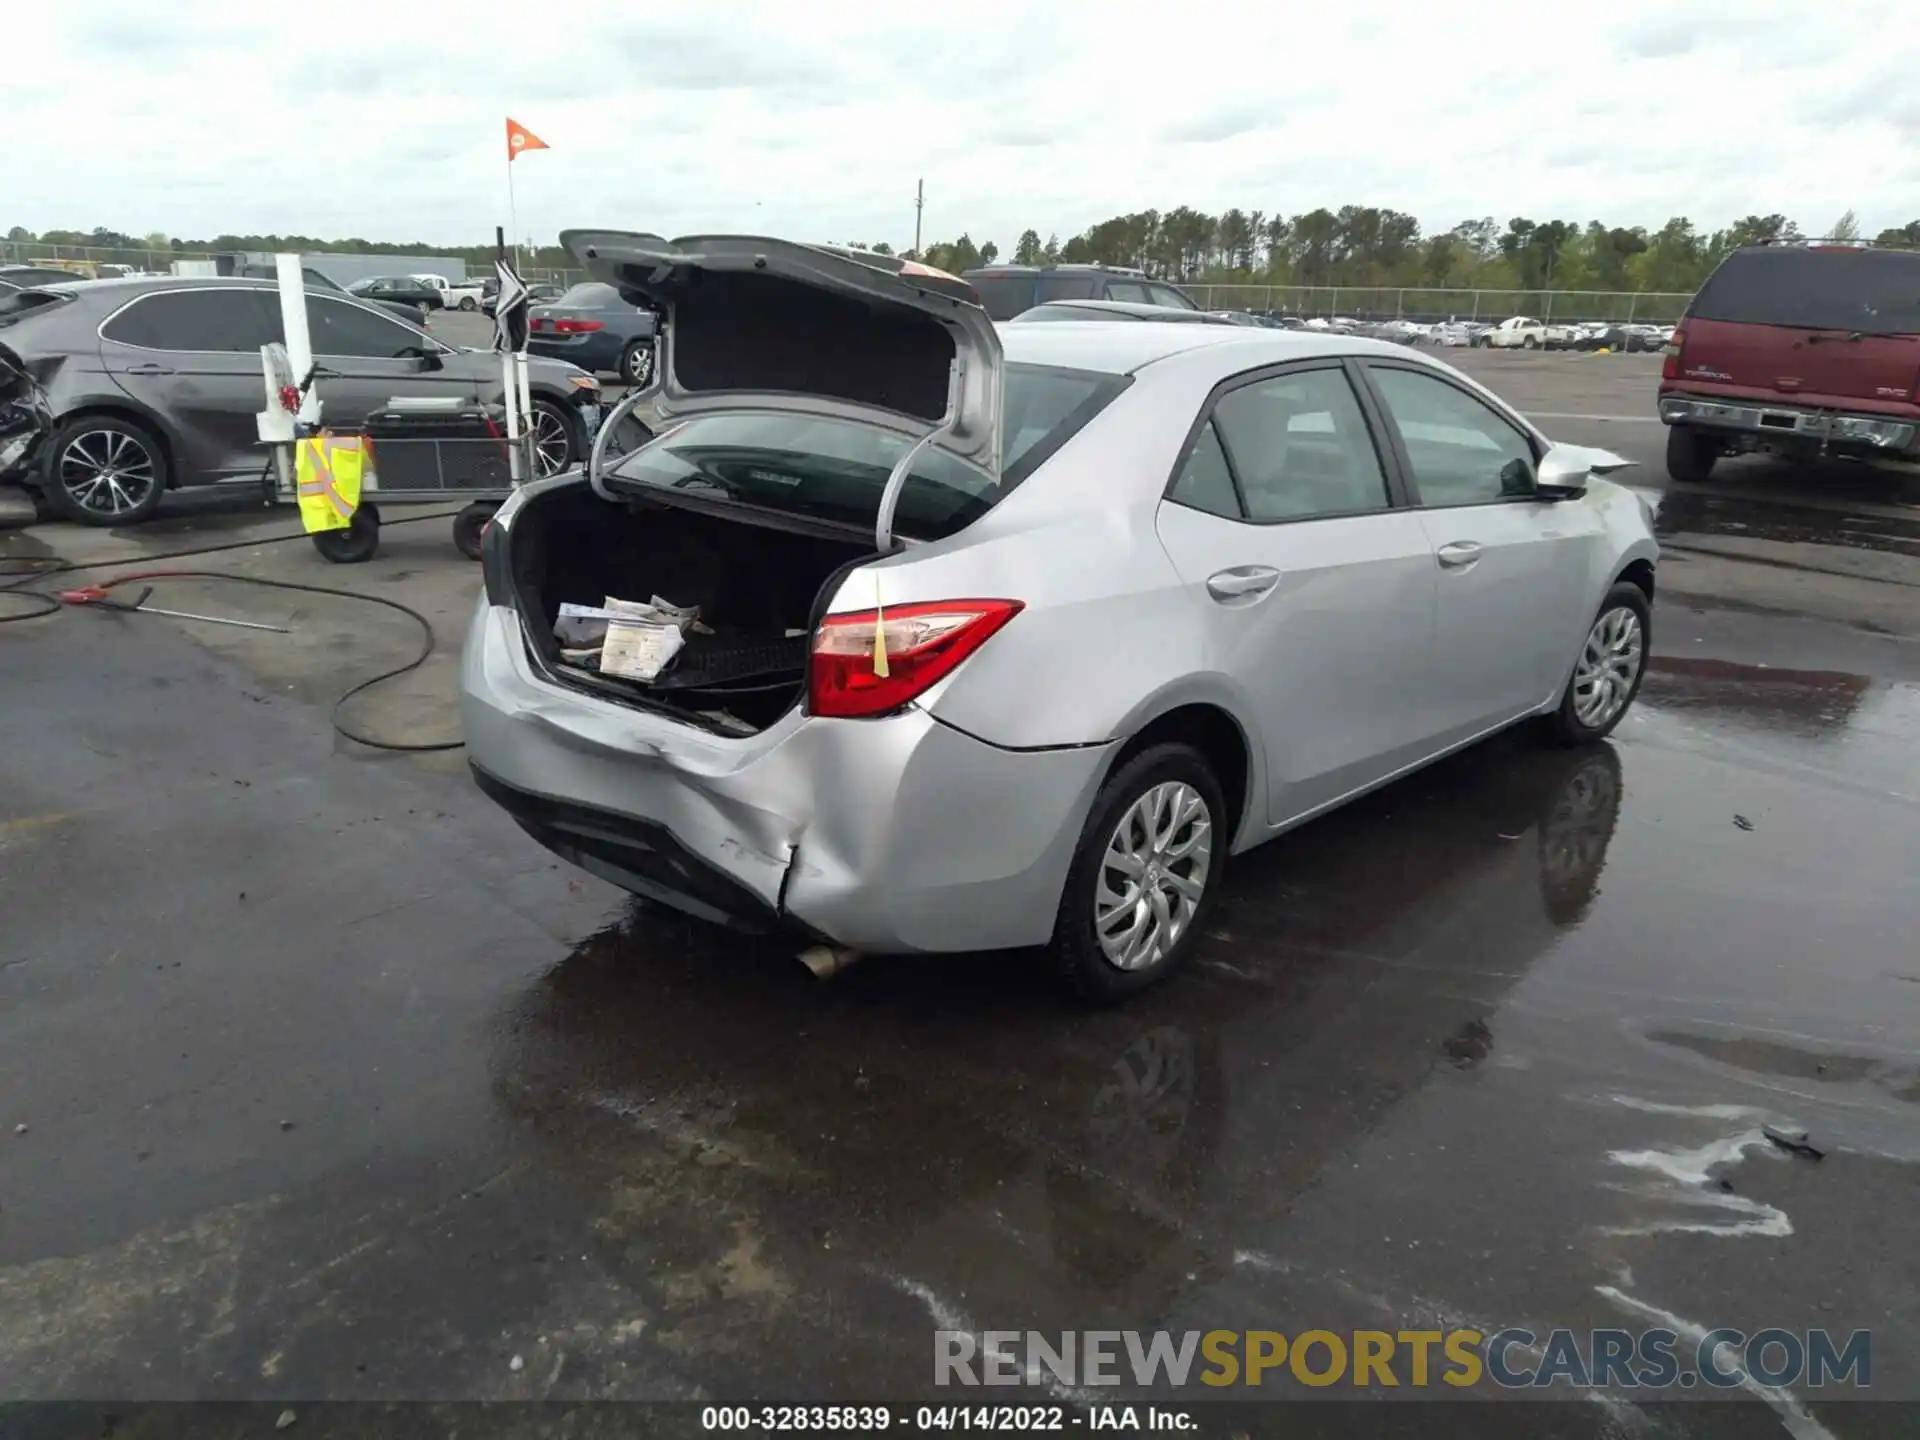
(520, 138)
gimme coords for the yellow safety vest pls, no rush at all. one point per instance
(327, 469)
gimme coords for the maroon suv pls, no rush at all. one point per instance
(1801, 351)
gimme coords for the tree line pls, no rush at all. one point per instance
(1356, 245)
(1361, 246)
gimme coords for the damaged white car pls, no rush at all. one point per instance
(903, 643)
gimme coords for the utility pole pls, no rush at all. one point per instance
(919, 205)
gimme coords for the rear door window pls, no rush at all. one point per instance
(1127, 290)
(1300, 448)
(208, 321)
(1875, 292)
(1167, 295)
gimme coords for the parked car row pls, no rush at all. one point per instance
(114, 391)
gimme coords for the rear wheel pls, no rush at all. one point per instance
(102, 470)
(1608, 671)
(470, 528)
(467, 303)
(1146, 870)
(1530, 343)
(1690, 454)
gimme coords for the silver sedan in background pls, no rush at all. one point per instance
(1016, 646)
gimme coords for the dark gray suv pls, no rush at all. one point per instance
(1009, 290)
(114, 391)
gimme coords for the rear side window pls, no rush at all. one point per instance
(1876, 292)
(222, 321)
(1167, 295)
(835, 469)
(1128, 291)
(1066, 287)
(1003, 296)
(1205, 482)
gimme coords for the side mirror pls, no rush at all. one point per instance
(1565, 470)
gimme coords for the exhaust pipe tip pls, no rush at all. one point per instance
(827, 961)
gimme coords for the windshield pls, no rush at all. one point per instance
(835, 469)
(1874, 292)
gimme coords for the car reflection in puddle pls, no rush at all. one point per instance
(786, 1171)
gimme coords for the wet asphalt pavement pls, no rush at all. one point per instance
(318, 1080)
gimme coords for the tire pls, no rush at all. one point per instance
(468, 304)
(97, 462)
(1614, 654)
(1077, 951)
(1691, 454)
(1529, 343)
(636, 363)
(556, 438)
(470, 528)
(356, 544)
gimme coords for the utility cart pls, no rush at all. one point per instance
(421, 452)
(413, 451)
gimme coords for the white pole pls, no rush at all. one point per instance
(293, 323)
(513, 213)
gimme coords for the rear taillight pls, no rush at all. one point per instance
(575, 327)
(923, 642)
(1670, 366)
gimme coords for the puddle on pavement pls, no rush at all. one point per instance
(1765, 517)
(1899, 1080)
(755, 1144)
(1806, 703)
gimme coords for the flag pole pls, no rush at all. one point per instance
(513, 211)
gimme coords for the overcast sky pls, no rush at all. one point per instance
(387, 121)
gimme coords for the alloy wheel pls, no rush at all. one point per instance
(107, 472)
(1609, 665)
(1153, 875)
(552, 445)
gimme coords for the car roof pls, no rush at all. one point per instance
(1124, 349)
(1130, 307)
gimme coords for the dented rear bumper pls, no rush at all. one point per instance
(897, 834)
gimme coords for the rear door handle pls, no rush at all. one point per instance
(1457, 554)
(149, 368)
(1242, 582)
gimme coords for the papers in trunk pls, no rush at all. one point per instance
(631, 639)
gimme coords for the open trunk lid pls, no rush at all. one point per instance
(1830, 327)
(759, 324)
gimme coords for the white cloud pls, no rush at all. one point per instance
(386, 121)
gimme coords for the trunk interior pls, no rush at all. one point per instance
(756, 588)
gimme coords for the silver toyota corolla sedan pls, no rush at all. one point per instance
(1011, 638)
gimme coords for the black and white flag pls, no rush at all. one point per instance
(510, 311)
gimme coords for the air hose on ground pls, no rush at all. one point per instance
(24, 571)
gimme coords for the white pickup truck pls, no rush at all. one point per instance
(459, 294)
(1523, 332)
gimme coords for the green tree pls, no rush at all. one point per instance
(1029, 250)
(1907, 234)
(1847, 227)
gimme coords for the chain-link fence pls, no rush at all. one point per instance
(1396, 303)
(89, 260)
